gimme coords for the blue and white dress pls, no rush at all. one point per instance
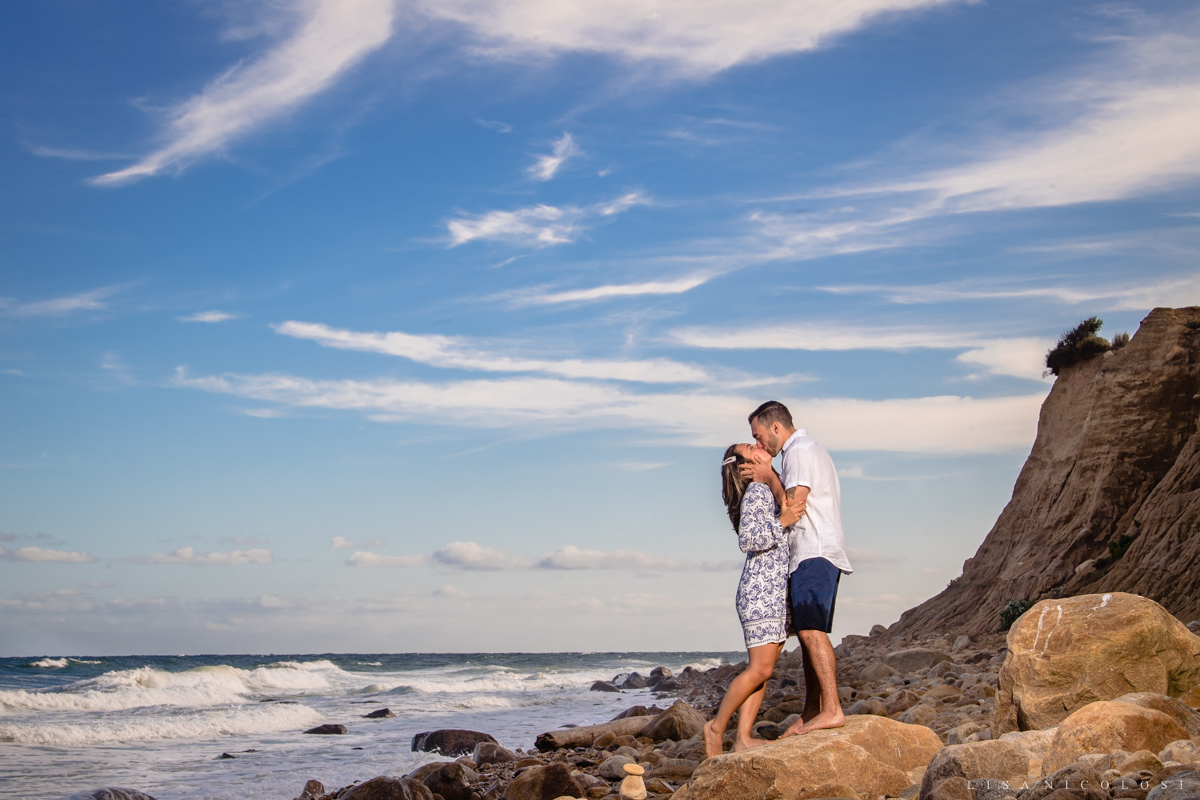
(762, 593)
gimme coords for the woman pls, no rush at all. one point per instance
(761, 595)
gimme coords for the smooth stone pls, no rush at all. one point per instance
(914, 659)
(611, 768)
(678, 722)
(603, 686)
(312, 790)
(328, 729)
(383, 713)
(997, 759)
(877, 671)
(449, 741)
(1182, 785)
(1105, 726)
(386, 787)
(543, 783)
(1184, 751)
(633, 769)
(450, 781)
(634, 681)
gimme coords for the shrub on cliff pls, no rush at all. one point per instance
(1078, 344)
(1012, 612)
(1120, 340)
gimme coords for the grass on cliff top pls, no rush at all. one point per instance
(1078, 344)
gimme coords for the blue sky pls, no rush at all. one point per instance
(363, 325)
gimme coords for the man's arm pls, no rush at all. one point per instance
(797, 494)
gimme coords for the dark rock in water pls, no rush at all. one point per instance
(661, 672)
(544, 783)
(604, 686)
(383, 713)
(450, 782)
(356, 748)
(634, 681)
(632, 711)
(388, 788)
(328, 728)
(449, 742)
(112, 793)
(225, 755)
(491, 753)
(667, 685)
(312, 790)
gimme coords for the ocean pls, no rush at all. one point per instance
(161, 723)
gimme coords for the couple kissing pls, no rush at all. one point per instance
(789, 525)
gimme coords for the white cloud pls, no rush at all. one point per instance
(496, 125)
(574, 558)
(264, 413)
(85, 301)
(448, 592)
(546, 166)
(40, 554)
(943, 424)
(454, 352)
(536, 226)
(208, 316)
(1023, 358)
(678, 37)
(535, 297)
(330, 37)
(342, 541)
(474, 557)
(866, 560)
(187, 555)
(365, 560)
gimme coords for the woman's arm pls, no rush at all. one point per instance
(759, 528)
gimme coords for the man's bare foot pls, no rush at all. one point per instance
(798, 725)
(834, 719)
(746, 744)
(714, 742)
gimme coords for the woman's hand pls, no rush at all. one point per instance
(791, 513)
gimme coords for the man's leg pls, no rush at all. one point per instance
(750, 682)
(824, 665)
(812, 686)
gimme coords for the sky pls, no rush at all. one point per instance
(399, 326)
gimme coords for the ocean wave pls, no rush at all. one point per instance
(254, 719)
(50, 663)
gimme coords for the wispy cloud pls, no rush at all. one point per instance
(84, 301)
(542, 297)
(365, 560)
(575, 558)
(473, 557)
(188, 555)
(546, 166)
(453, 352)
(536, 226)
(40, 554)
(208, 316)
(330, 37)
(927, 424)
(496, 125)
(680, 39)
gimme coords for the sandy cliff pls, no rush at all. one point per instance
(1117, 455)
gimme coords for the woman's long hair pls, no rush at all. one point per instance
(733, 485)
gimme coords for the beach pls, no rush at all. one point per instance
(162, 723)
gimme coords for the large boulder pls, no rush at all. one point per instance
(678, 722)
(1185, 716)
(1179, 786)
(871, 755)
(543, 783)
(1072, 782)
(386, 787)
(1106, 726)
(449, 742)
(491, 753)
(915, 658)
(993, 760)
(1064, 654)
(450, 782)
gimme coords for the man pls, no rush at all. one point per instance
(818, 553)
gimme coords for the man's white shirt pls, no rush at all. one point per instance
(819, 531)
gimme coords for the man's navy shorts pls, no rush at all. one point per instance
(812, 591)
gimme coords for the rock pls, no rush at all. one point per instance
(634, 681)
(877, 671)
(959, 734)
(612, 767)
(1105, 726)
(1183, 785)
(543, 783)
(914, 658)
(673, 769)
(767, 730)
(424, 770)
(1117, 453)
(828, 791)
(1139, 761)
(872, 755)
(950, 789)
(666, 685)
(388, 788)
(633, 787)
(877, 630)
(678, 722)
(1184, 715)
(450, 782)
(449, 742)
(1082, 780)
(634, 711)
(328, 729)
(1064, 654)
(110, 793)
(994, 760)
(869, 706)
(1036, 743)
(920, 714)
(658, 786)
(902, 700)
(661, 672)
(382, 713)
(1184, 751)
(603, 686)
(491, 753)
(225, 755)
(961, 643)
(312, 790)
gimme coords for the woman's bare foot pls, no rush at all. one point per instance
(834, 719)
(714, 742)
(746, 744)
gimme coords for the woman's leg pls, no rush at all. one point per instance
(747, 714)
(750, 682)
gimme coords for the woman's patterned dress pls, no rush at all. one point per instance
(762, 593)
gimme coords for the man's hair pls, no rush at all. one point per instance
(770, 412)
